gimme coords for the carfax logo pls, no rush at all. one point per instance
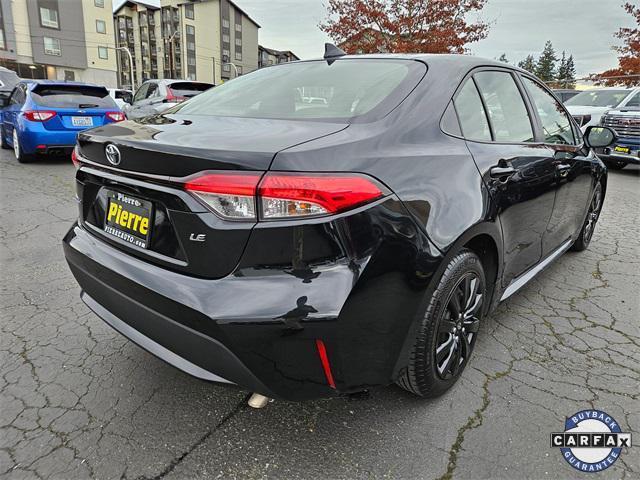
(592, 441)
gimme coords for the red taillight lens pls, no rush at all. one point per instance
(286, 195)
(115, 116)
(172, 98)
(230, 194)
(283, 195)
(74, 158)
(39, 115)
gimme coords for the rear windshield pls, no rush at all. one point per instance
(344, 90)
(72, 96)
(598, 98)
(188, 89)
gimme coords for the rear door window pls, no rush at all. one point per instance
(556, 126)
(634, 102)
(507, 111)
(473, 119)
(72, 96)
(188, 89)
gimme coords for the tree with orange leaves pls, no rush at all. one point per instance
(400, 26)
(628, 71)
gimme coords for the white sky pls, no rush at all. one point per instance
(519, 27)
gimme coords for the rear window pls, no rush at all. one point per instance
(344, 90)
(188, 89)
(72, 96)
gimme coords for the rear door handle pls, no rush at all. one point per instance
(497, 172)
(563, 168)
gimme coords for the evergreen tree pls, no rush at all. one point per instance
(546, 65)
(503, 58)
(570, 79)
(561, 74)
(528, 64)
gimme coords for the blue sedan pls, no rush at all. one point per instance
(44, 116)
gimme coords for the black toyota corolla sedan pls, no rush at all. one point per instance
(323, 227)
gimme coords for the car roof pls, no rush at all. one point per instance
(34, 83)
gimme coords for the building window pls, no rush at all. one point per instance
(69, 76)
(3, 45)
(239, 70)
(49, 17)
(225, 38)
(103, 53)
(226, 67)
(99, 3)
(191, 46)
(101, 26)
(238, 55)
(52, 46)
(191, 30)
(225, 23)
(238, 27)
(238, 42)
(189, 12)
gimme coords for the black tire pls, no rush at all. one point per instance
(19, 154)
(589, 225)
(614, 165)
(3, 143)
(425, 375)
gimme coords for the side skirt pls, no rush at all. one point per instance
(523, 279)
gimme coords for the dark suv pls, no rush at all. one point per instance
(301, 249)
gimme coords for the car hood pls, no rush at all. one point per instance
(586, 110)
(179, 145)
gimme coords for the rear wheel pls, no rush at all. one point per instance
(17, 150)
(584, 238)
(447, 334)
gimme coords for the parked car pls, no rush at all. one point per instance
(121, 96)
(8, 80)
(588, 107)
(310, 252)
(44, 116)
(565, 94)
(626, 122)
(156, 96)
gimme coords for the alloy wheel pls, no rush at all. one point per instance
(592, 216)
(459, 326)
(16, 144)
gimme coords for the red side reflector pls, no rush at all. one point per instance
(322, 352)
(224, 183)
(40, 147)
(332, 192)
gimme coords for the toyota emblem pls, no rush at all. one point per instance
(113, 154)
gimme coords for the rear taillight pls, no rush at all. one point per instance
(231, 195)
(115, 116)
(172, 98)
(284, 195)
(244, 196)
(39, 115)
(74, 158)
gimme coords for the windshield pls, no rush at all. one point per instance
(307, 90)
(598, 98)
(72, 96)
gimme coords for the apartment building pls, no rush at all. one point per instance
(205, 40)
(269, 56)
(59, 39)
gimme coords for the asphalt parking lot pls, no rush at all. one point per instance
(78, 401)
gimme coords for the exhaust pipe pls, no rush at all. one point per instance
(258, 401)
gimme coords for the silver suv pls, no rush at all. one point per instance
(155, 96)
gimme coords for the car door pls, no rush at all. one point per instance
(138, 101)
(501, 135)
(572, 163)
(12, 110)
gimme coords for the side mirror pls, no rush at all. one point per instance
(599, 137)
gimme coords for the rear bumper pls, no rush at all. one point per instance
(54, 141)
(258, 327)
